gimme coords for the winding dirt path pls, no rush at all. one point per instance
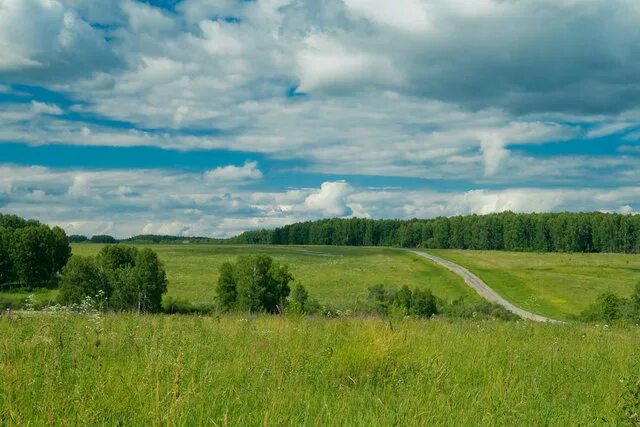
(482, 288)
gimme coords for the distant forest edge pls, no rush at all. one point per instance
(143, 238)
(535, 232)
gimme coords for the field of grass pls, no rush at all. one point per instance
(191, 370)
(334, 275)
(553, 284)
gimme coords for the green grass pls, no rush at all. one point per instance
(334, 275)
(554, 284)
(183, 370)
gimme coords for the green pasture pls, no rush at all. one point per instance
(334, 275)
(553, 284)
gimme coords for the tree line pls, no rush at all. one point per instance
(143, 239)
(533, 232)
(31, 254)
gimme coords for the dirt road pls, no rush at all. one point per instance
(482, 288)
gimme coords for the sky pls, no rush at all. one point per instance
(212, 117)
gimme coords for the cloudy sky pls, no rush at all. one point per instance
(210, 117)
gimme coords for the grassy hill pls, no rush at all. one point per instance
(334, 275)
(552, 284)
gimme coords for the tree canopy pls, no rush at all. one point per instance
(127, 278)
(254, 283)
(31, 254)
(536, 232)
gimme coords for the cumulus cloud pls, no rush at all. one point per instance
(330, 200)
(427, 89)
(247, 172)
(326, 64)
(45, 40)
(128, 202)
(395, 84)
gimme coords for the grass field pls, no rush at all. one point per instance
(334, 275)
(553, 284)
(186, 370)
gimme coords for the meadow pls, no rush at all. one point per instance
(338, 276)
(558, 285)
(271, 370)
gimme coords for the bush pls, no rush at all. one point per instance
(298, 300)
(423, 303)
(403, 299)
(378, 300)
(609, 307)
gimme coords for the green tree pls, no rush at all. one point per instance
(118, 256)
(226, 288)
(124, 289)
(60, 248)
(261, 284)
(138, 287)
(423, 303)
(32, 256)
(151, 279)
(7, 271)
(80, 278)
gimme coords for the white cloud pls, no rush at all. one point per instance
(248, 171)
(607, 129)
(167, 229)
(45, 40)
(330, 200)
(428, 89)
(146, 19)
(406, 15)
(128, 202)
(325, 63)
(44, 108)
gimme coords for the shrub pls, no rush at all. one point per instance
(378, 299)
(423, 303)
(298, 299)
(607, 307)
(403, 299)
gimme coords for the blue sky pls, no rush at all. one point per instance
(210, 117)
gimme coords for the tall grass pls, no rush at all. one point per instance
(188, 370)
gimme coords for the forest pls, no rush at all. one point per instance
(532, 232)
